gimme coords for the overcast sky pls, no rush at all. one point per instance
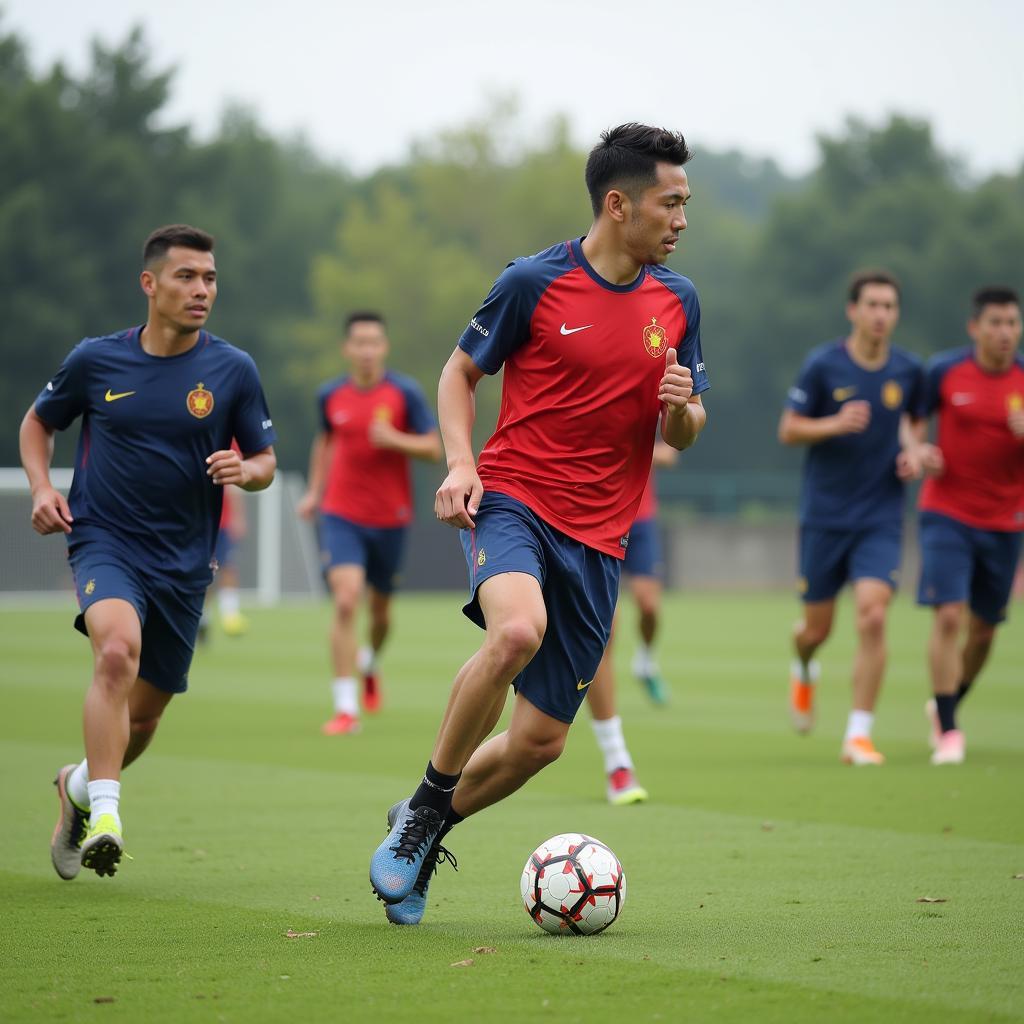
(360, 81)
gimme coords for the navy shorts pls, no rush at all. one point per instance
(829, 558)
(643, 555)
(580, 587)
(378, 549)
(964, 563)
(169, 614)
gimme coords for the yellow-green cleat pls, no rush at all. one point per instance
(623, 788)
(103, 845)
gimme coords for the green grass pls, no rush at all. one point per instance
(766, 881)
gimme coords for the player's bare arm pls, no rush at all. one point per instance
(458, 498)
(853, 418)
(684, 414)
(1015, 421)
(50, 511)
(917, 456)
(251, 472)
(416, 446)
(665, 456)
(319, 459)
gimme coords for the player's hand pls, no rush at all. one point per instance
(853, 417)
(676, 385)
(384, 435)
(307, 505)
(910, 464)
(932, 461)
(458, 498)
(1015, 421)
(50, 512)
(227, 467)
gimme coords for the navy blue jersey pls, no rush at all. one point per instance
(850, 482)
(148, 425)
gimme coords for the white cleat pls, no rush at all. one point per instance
(950, 748)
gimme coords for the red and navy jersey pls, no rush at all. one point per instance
(850, 482)
(579, 401)
(983, 481)
(148, 425)
(368, 485)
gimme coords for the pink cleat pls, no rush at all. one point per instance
(342, 724)
(950, 748)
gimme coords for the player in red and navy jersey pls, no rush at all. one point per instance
(853, 406)
(599, 343)
(644, 566)
(972, 507)
(160, 405)
(372, 422)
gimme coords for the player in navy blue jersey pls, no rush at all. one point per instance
(854, 406)
(160, 405)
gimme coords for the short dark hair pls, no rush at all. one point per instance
(169, 235)
(993, 295)
(363, 316)
(626, 158)
(863, 277)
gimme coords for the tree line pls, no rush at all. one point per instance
(89, 169)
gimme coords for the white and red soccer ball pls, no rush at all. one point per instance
(573, 885)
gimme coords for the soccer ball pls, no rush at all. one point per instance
(573, 884)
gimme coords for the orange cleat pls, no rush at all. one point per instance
(342, 724)
(859, 750)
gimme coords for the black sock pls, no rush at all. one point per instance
(435, 791)
(965, 685)
(451, 819)
(945, 704)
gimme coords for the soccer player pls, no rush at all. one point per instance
(160, 405)
(372, 422)
(599, 341)
(972, 509)
(853, 406)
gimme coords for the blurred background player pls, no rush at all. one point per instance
(160, 405)
(972, 508)
(644, 564)
(852, 406)
(372, 422)
(226, 581)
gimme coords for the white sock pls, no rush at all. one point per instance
(366, 660)
(345, 700)
(104, 795)
(809, 673)
(612, 743)
(78, 786)
(644, 663)
(859, 724)
(228, 601)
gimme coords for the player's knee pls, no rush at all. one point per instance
(949, 618)
(982, 634)
(536, 752)
(144, 726)
(345, 605)
(813, 635)
(515, 642)
(871, 621)
(117, 663)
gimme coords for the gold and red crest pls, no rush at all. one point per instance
(892, 394)
(1014, 402)
(655, 340)
(382, 414)
(200, 401)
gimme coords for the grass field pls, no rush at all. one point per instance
(766, 881)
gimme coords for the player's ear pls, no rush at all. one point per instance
(615, 203)
(147, 281)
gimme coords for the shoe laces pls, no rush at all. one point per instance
(437, 854)
(79, 824)
(418, 832)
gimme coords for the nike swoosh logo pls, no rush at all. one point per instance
(582, 685)
(842, 394)
(573, 330)
(113, 398)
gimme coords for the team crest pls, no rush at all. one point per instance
(654, 338)
(90, 587)
(200, 401)
(481, 559)
(382, 414)
(892, 395)
(1014, 403)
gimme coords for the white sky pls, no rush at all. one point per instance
(360, 81)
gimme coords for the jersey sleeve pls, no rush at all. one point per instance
(65, 397)
(502, 323)
(322, 397)
(689, 351)
(418, 416)
(929, 398)
(805, 396)
(252, 426)
(916, 393)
